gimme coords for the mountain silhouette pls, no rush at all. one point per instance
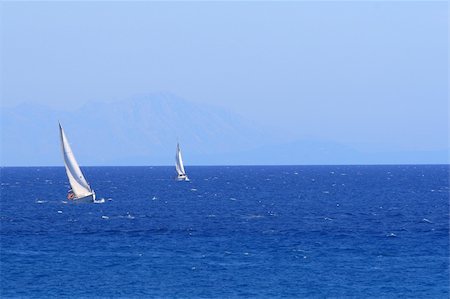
(144, 130)
(140, 131)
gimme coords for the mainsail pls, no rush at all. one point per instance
(77, 181)
(179, 162)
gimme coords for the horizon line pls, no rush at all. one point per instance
(241, 165)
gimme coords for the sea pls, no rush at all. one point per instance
(230, 232)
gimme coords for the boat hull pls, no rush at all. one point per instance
(182, 178)
(87, 198)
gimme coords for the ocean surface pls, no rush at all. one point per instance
(231, 232)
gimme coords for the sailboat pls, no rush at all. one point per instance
(80, 187)
(179, 166)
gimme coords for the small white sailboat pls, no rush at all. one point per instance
(179, 166)
(80, 187)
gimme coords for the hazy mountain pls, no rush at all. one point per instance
(144, 131)
(316, 152)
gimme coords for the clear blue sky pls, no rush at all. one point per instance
(371, 75)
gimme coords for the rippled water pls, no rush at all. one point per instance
(265, 232)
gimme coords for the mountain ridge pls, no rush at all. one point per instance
(144, 130)
(144, 126)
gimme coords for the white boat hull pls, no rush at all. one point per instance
(182, 177)
(87, 198)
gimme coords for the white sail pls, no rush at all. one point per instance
(77, 181)
(179, 162)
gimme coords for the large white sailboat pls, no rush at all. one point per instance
(179, 166)
(80, 187)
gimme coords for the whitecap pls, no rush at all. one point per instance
(298, 250)
(391, 235)
(426, 220)
(232, 198)
(101, 200)
(59, 212)
(193, 189)
(154, 198)
(41, 201)
(105, 217)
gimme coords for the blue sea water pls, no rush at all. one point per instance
(231, 232)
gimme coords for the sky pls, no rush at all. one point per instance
(369, 75)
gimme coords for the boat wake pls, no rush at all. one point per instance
(101, 200)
